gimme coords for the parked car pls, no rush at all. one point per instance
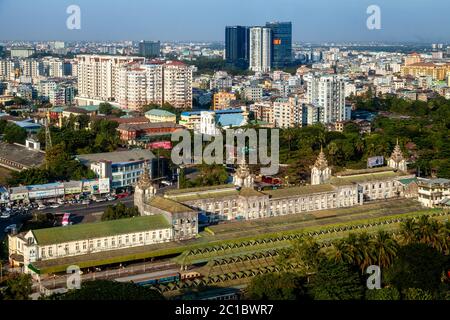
(123, 195)
(5, 215)
(111, 198)
(54, 206)
(87, 201)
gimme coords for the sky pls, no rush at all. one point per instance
(205, 20)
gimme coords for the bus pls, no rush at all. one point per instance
(66, 219)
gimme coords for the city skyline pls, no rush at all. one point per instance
(186, 21)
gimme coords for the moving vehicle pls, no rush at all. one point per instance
(66, 219)
(87, 201)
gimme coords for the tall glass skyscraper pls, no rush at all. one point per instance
(281, 43)
(237, 46)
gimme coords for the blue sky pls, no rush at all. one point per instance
(313, 20)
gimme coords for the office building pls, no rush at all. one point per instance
(237, 46)
(22, 52)
(149, 48)
(281, 44)
(260, 49)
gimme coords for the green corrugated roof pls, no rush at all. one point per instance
(90, 108)
(99, 229)
(160, 112)
(302, 190)
(407, 181)
(169, 205)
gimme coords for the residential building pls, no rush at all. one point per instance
(222, 100)
(287, 113)
(260, 49)
(328, 93)
(98, 75)
(434, 192)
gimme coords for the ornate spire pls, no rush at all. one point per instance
(144, 180)
(321, 161)
(243, 170)
(397, 154)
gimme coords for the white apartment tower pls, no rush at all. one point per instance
(159, 83)
(177, 84)
(98, 75)
(327, 92)
(260, 49)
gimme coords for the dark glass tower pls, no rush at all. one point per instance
(281, 43)
(237, 46)
(149, 48)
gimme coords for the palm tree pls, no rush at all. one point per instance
(408, 231)
(345, 250)
(385, 248)
(365, 251)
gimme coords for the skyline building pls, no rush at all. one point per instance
(281, 44)
(327, 92)
(260, 49)
(149, 48)
(237, 46)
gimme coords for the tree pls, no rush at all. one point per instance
(277, 286)
(111, 290)
(336, 281)
(119, 211)
(105, 108)
(14, 134)
(416, 294)
(19, 287)
(384, 248)
(417, 266)
(389, 293)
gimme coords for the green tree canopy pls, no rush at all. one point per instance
(417, 266)
(277, 286)
(119, 211)
(336, 281)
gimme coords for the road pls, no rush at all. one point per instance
(60, 281)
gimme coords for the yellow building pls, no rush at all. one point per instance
(438, 71)
(158, 115)
(222, 100)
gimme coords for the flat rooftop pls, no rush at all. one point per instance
(22, 155)
(301, 190)
(116, 156)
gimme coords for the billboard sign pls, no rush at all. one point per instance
(160, 145)
(377, 161)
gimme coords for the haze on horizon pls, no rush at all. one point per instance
(205, 20)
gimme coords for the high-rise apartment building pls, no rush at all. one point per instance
(327, 92)
(260, 49)
(281, 44)
(149, 48)
(287, 113)
(98, 75)
(140, 84)
(237, 46)
(177, 84)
